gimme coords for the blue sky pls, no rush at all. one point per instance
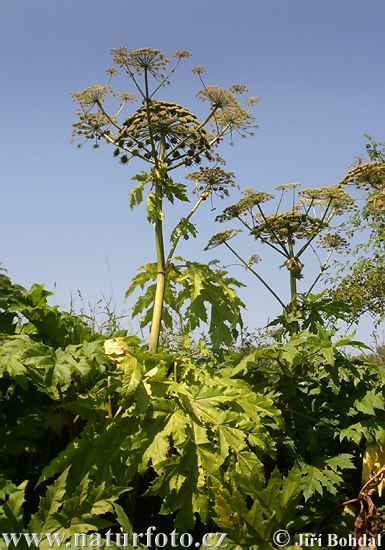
(65, 222)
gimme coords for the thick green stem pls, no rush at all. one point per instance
(293, 290)
(161, 264)
(293, 278)
(160, 289)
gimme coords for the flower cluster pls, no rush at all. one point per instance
(92, 125)
(287, 186)
(229, 115)
(294, 225)
(332, 196)
(370, 175)
(213, 180)
(160, 131)
(333, 241)
(137, 61)
(94, 95)
(251, 199)
(198, 69)
(376, 203)
(221, 237)
(168, 125)
(182, 53)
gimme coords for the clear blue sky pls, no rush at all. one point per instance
(65, 218)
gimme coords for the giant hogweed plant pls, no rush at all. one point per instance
(360, 280)
(306, 226)
(167, 136)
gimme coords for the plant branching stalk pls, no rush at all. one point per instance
(308, 243)
(256, 274)
(179, 234)
(322, 269)
(279, 241)
(185, 139)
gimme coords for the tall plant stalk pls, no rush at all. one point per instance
(161, 266)
(166, 136)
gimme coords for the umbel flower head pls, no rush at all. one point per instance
(287, 186)
(91, 96)
(91, 125)
(221, 237)
(245, 205)
(229, 115)
(213, 180)
(332, 196)
(294, 225)
(376, 203)
(370, 175)
(333, 241)
(136, 61)
(161, 124)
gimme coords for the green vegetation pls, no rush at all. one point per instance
(100, 431)
(361, 280)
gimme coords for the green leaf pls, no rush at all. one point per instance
(136, 195)
(173, 190)
(154, 209)
(11, 512)
(45, 519)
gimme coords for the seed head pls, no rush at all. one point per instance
(198, 69)
(246, 204)
(138, 61)
(182, 53)
(214, 180)
(288, 224)
(370, 175)
(333, 241)
(221, 237)
(91, 96)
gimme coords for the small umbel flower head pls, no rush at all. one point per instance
(332, 196)
(376, 203)
(287, 186)
(221, 237)
(138, 61)
(229, 115)
(182, 53)
(370, 175)
(91, 125)
(333, 241)
(111, 71)
(213, 180)
(94, 95)
(198, 69)
(245, 205)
